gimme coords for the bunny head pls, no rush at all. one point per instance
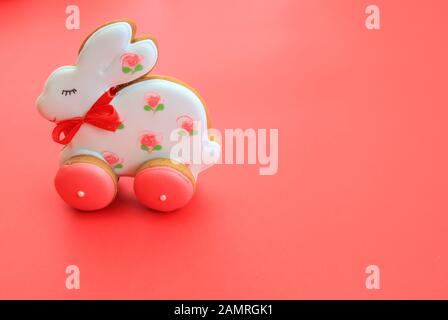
(109, 57)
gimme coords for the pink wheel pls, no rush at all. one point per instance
(85, 186)
(163, 188)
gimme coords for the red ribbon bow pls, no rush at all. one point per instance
(102, 115)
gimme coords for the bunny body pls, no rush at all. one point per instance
(154, 114)
(122, 149)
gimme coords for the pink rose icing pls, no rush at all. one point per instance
(130, 59)
(152, 99)
(150, 141)
(153, 102)
(186, 123)
(113, 160)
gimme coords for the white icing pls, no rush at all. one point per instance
(102, 64)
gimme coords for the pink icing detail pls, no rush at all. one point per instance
(130, 60)
(111, 158)
(186, 123)
(152, 99)
(150, 139)
(152, 183)
(97, 187)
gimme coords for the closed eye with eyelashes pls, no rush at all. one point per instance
(69, 92)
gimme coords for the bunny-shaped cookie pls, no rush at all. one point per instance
(116, 121)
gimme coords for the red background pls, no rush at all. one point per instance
(362, 155)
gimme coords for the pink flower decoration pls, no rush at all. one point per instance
(186, 123)
(152, 99)
(130, 63)
(130, 60)
(150, 141)
(113, 160)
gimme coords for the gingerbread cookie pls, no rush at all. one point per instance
(115, 120)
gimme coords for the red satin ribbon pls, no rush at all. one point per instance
(102, 115)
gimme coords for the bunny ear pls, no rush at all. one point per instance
(134, 62)
(103, 46)
(112, 53)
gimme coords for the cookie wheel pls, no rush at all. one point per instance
(86, 183)
(164, 185)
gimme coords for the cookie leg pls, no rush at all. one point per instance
(86, 183)
(164, 185)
